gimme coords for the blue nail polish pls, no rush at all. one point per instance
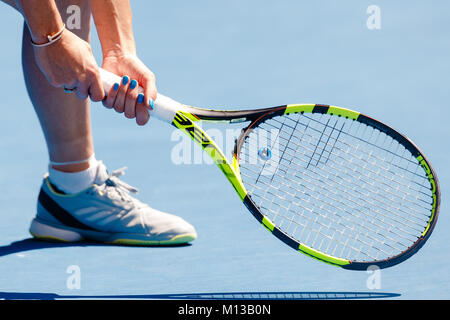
(151, 102)
(140, 97)
(125, 80)
(133, 84)
(116, 86)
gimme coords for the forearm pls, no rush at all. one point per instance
(42, 18)
(113, 19)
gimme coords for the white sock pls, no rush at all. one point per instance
(73, 182)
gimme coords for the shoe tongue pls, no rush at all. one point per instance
(102, 174)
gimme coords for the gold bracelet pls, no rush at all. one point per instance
(51, 38)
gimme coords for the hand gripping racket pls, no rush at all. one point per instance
(329, 182)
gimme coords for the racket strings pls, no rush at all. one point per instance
(356, 148)
(311, 223)
(326, 177)
(366, 142)
(402, 187)
(330, 191)
(336, 185)
(330, 226)
(333, 199)
(381, 169)
(374, 174)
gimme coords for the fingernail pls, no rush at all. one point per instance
(116, 86)
(133, 84)
(125, 80)
(151, 102)
(140, 98)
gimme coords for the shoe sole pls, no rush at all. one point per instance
(46, 232)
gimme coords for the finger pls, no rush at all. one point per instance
(142, 115)
(69, 87)
(130, 100)
(81, 91)
(111, 97)
(149, 85)
(96, 91)
(119, 103)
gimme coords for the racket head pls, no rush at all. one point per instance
(339, 186)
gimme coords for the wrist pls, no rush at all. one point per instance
(123, 45)
(118, 53)
(44, 34)
(51, 38)
(42, 18)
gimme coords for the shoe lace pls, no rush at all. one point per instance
(114, 188)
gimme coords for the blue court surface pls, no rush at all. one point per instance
(232, 55)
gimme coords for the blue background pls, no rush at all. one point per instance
(233, 54)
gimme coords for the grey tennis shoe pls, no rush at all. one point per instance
(105, 212)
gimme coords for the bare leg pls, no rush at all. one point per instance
(65, 120)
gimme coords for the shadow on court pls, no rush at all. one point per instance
(33, 244)
(209, 296)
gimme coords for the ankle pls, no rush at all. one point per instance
(75, 176)
(71, 167)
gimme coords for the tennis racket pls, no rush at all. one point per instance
(329, 182)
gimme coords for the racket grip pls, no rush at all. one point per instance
(164, 108)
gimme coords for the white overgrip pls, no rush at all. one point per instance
(164, 108)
